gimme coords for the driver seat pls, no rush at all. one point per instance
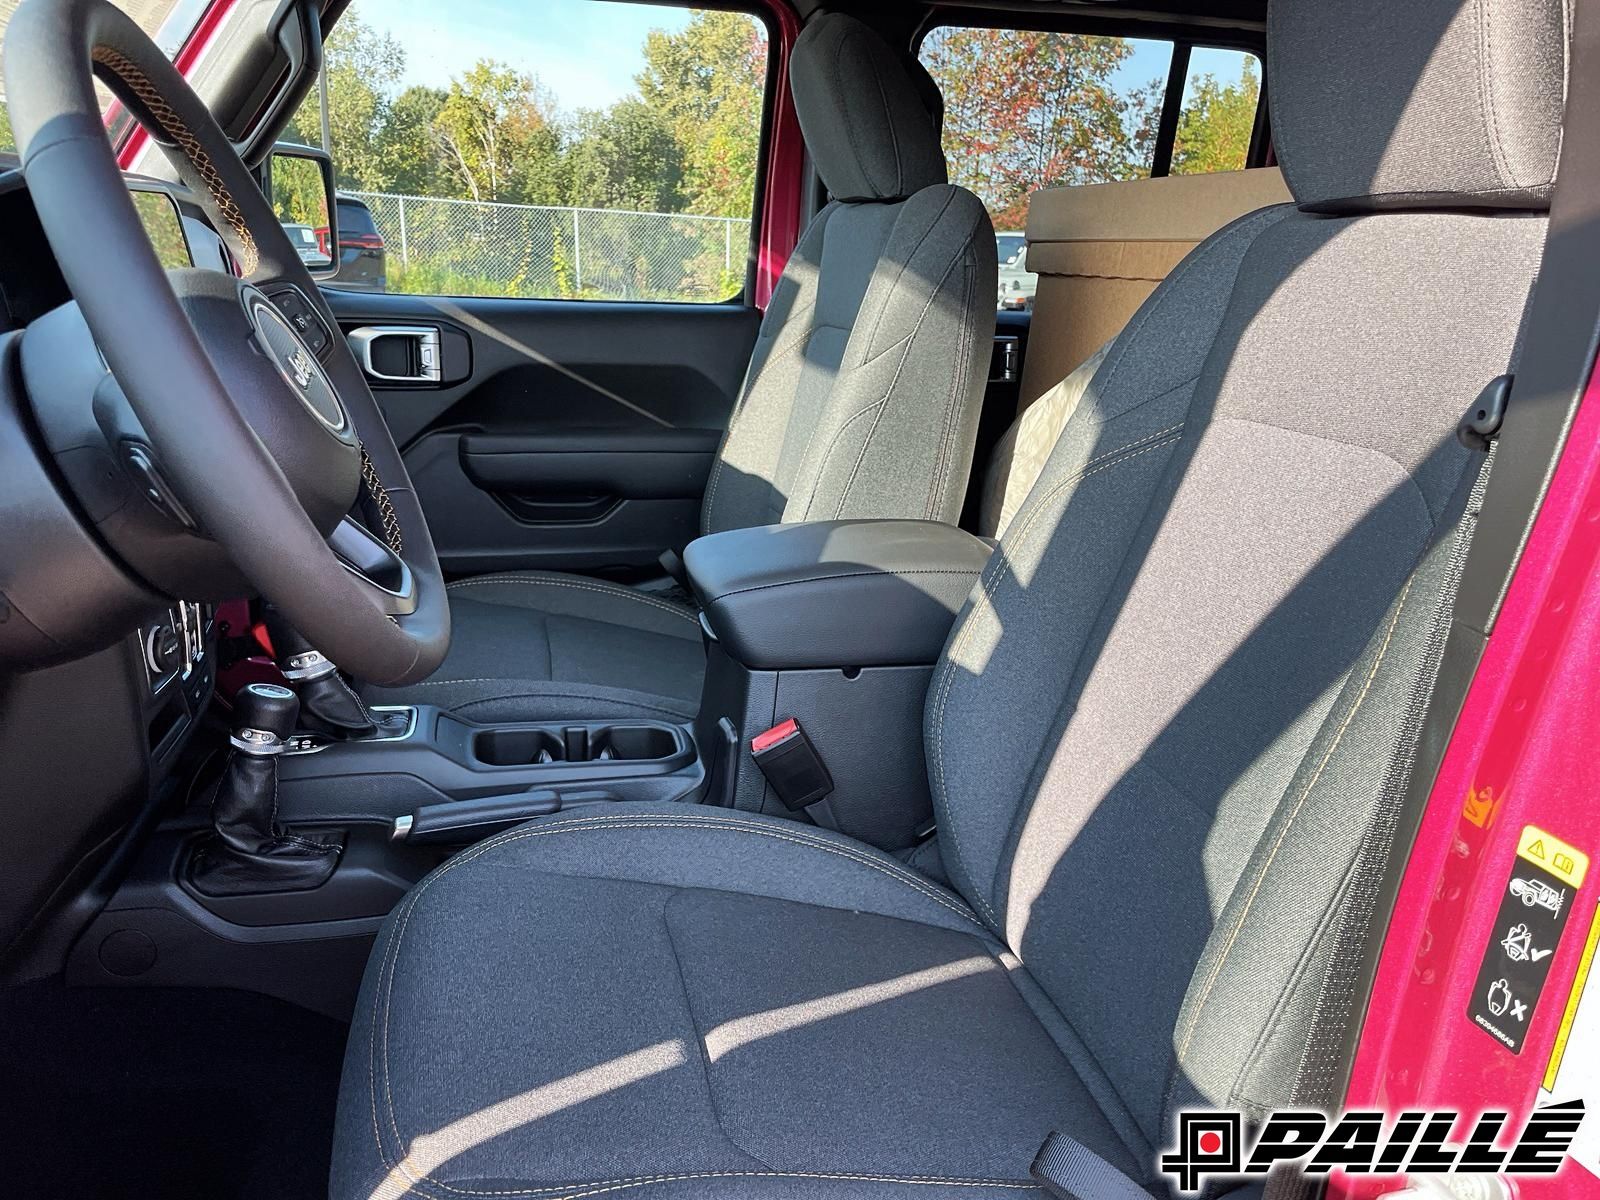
(1158, 740)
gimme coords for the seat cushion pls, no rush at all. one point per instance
(698, 1003)
(538, 645)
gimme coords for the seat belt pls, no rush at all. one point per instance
(1069, 1170)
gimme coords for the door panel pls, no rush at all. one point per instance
(563, 435)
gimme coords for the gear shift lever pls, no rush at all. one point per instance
(327, 702)
(247, 851)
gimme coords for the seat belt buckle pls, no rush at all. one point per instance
(791, 764)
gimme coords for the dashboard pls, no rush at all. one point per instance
(31, 283)
(89, 744)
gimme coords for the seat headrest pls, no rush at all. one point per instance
(865, 119)
(1381, 104)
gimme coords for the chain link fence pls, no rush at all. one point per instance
(458, 247)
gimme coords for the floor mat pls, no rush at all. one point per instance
(165, 1094)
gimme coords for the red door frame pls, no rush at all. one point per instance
(1525, 751)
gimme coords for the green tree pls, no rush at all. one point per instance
(1026, 110)
(410, 158)
(498, 136)
(707, 81)
(362, 66)
(625, 156)
(1216, 123)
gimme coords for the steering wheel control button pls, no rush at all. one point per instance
(297, 310)
(297, 364)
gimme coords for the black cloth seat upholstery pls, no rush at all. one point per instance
(861, 400)
(541, 645)
(1157, 742)
(697, 993)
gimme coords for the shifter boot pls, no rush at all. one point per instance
(247, 852)
(327, 703)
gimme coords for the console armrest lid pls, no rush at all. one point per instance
(834, 593)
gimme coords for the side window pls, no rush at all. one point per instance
(1218, 114)
(1026, 109)
(573, 149)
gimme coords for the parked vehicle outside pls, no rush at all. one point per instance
(1017, 283)
(1009, 245)
(307, 243)
(363, 259)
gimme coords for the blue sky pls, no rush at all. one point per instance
(587, 52)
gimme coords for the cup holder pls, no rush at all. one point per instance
(518, 747)
(574, 744)
(632, 743)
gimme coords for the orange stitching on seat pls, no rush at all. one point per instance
(134, 79)
(1283, 834)
(998, 571)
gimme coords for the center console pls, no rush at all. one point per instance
(836, 627)
(436, 758)
(821, 643)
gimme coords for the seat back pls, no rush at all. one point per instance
(1181, 687)
(1100, 250)
(864, 389)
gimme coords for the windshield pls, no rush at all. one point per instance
(168, 22)
(1009, 245)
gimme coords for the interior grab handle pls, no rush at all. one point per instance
(418, 352)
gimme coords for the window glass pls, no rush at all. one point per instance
(571, 149)
(1026, 109)
(1219, 112)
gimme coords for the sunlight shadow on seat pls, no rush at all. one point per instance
(429, 1151)
(742, 1031)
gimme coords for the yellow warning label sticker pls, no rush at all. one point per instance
(1567, 863)
(1564, 1034)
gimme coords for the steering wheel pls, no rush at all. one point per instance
(268, 447)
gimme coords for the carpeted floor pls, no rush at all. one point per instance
(164, 1094)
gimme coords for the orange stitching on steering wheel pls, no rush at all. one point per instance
(134, 79)
(249, 256)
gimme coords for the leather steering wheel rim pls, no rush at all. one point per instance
(54, 50)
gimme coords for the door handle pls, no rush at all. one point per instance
(417, 356)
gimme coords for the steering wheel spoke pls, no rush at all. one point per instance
(382, 572)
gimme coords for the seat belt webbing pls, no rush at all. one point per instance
(1069, 1170)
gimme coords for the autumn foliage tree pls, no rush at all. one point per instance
(1216, 124)
(1026, 110)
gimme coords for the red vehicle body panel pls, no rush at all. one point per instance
(780, 202)
(188, 54)
(1524, 751)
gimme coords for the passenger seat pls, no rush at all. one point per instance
(1099, 251)
(861, 400)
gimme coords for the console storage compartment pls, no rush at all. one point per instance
(836, 624)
